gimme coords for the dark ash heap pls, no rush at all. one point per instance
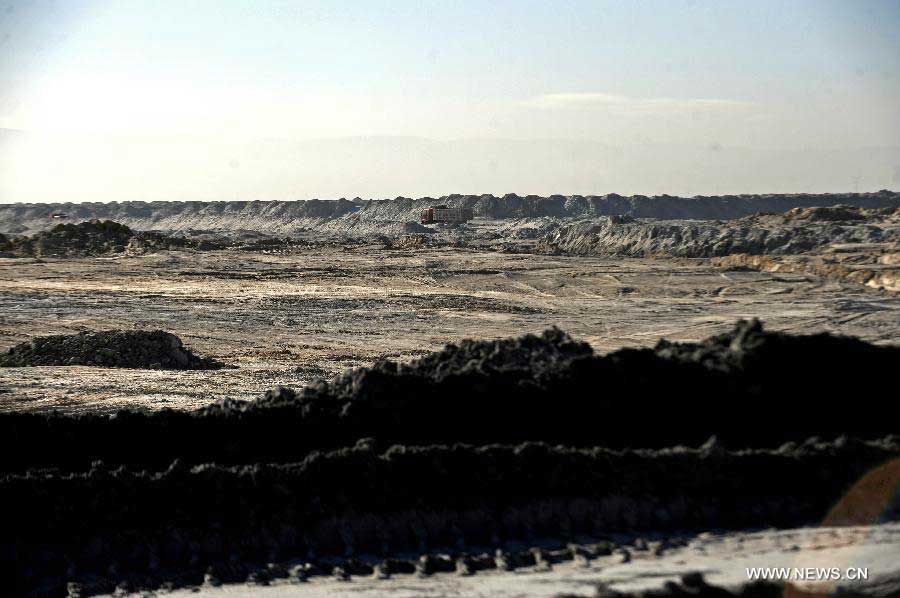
(750, 387)
(112, 348)
(515, 442)
(353, 508)
(93, 238)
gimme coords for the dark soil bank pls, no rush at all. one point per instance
(113, 348)
(750, 387)
(251, 490)
(106, 526)
(93, 238)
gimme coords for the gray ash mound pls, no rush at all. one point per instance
(360, 217)
(94, 238)
(106, 526)
(140, 349)
(533, 388)
(799, 230)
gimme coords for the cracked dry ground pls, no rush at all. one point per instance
(287, 318)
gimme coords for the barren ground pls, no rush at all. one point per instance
(284, 318)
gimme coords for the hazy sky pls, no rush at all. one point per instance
(760, 75)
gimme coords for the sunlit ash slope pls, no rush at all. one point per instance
(359, 217)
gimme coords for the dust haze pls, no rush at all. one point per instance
(147, 168)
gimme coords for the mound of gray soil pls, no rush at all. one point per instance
(799, 231)
(87, 238)
(838, 213)
(140, 349)
(94, 237)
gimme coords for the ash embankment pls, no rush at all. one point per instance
(112, 348)
(93, 238)
(797, 231)
(361, 218)
(840, 243)
(750, 387)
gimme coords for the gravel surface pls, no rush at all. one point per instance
(286, 316)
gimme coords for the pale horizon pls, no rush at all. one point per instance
(285, 100)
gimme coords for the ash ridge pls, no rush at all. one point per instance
(800, 230)
(360, 217)
(358, 506)
(545, 387)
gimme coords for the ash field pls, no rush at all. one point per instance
(564, 395)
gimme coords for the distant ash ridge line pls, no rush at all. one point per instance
(338, 216)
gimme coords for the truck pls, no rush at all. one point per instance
(443, 214)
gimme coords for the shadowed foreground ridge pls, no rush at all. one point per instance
(105, 527)
(532, 388)
(493, 444)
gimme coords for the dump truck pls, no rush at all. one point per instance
(447, 215)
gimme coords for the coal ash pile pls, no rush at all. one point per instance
(486, 443)
(95, 238)
(139, 349)
(750, 387)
